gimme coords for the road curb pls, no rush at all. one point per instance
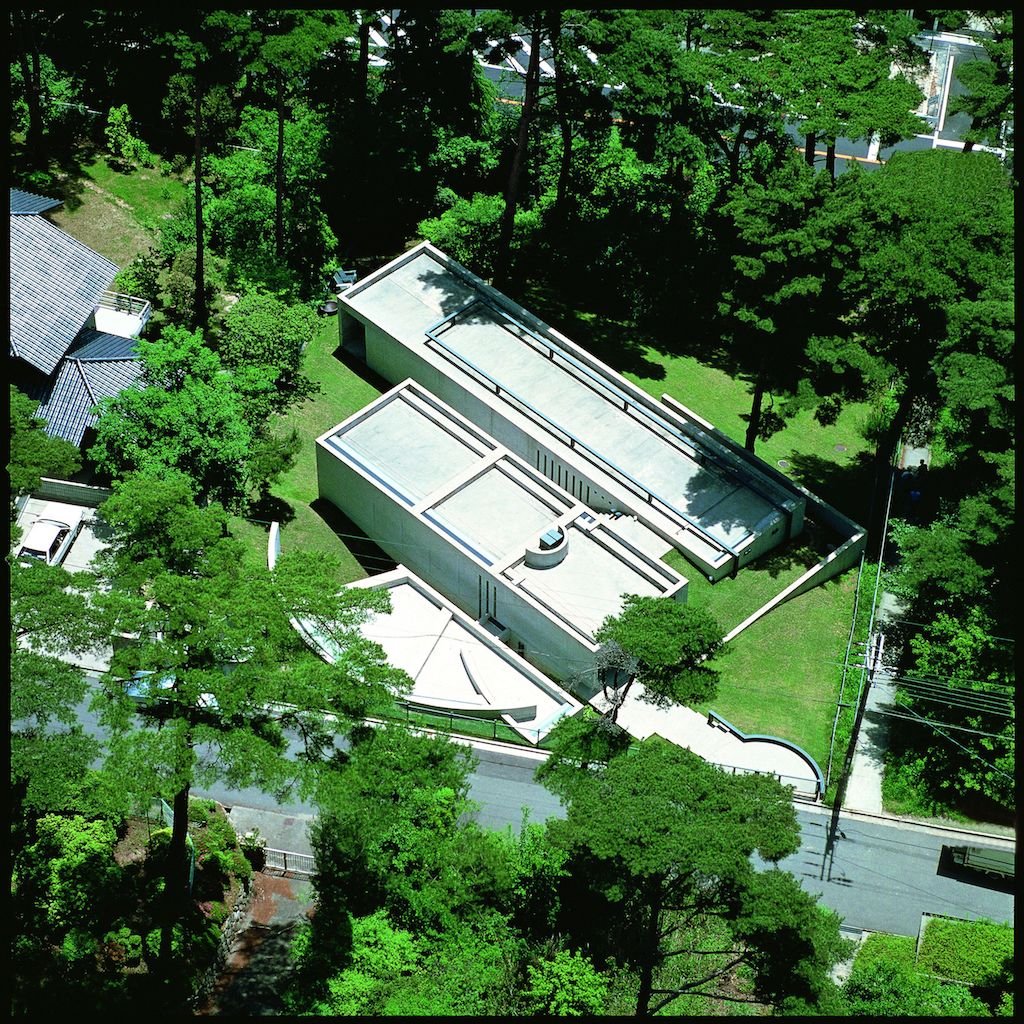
(892, 819)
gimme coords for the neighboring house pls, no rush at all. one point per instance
(72, 340)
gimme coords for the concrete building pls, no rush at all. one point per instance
(456, 665)
(568, 415)
(538, 567)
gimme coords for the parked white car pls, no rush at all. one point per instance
(50, 537)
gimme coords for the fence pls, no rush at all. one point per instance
(71, 492)
(484, 728)
(290, 863)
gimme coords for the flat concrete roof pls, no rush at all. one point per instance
(554, 389)
(588, 584)
(495, 506)
(499, 511)
(456, 665)
(411, 451)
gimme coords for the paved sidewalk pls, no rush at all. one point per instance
(289, 832)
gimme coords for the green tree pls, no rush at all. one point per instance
(291, 43)
(26, 28)
(472, 969)
(581, 111)
(392, 833)
(125, 147)
(54, 95)
(208, 47)
(33, 453)
(67, 871)
(780, 279)
(381, 954)
(50, 755)
(427, 118)
(468, 232)
(191, 416)
(658, 842)
(663, 643)
(520, 157)
(243, 206)
(261, 330)
(851, 74)
(565, 986)
(229, 677)
(936, 231)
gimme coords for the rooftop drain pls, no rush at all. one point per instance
(551, 548)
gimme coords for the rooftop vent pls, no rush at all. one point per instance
(550, 550)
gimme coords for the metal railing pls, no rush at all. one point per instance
(593, 456)
(130, 305)
(289, 862)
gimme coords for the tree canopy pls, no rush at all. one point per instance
(657, 841)
(665, 644)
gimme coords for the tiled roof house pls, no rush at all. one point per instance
(67, 347)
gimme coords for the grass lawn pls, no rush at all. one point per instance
(306, 522)
(118, 215)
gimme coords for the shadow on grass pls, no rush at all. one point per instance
(64, 171)
(848, 488)
(799, 554)
(271, 508)
(372, 559)
(359, 367)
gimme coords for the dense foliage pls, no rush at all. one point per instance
(645, 896)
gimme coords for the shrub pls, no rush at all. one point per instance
(153, 942)
(973, 952)
(78, 944)
(159, 840)
(124, 944)
(894, 990)
(140, 277)
(879, 947)
(201, 810)
(125, 147)
(218, 913)
(219, 862)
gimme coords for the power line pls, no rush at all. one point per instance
(979, 709)
(960, 745)
(948, 686)
(926, 625)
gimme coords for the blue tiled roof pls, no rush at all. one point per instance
(25, 203)
(98, 366)
(56, 282)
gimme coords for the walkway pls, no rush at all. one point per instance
(715, 743)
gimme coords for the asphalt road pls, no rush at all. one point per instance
(878, 874)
